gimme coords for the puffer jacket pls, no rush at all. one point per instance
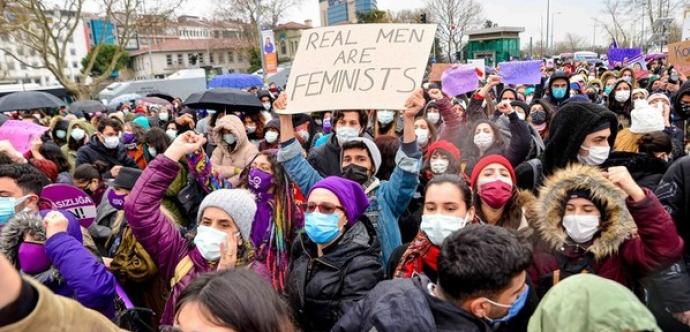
(157, 233)
(647, 170)
(224, 160)
(322, 289)
(96, 151)
(636, 237)
(72, 154)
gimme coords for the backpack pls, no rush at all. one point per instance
(189, 198)
(131, 261)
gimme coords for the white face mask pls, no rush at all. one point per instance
(164, 116)
(483, 140)
(345, 133)
(433, 117)
(111, 142)
(439, 166)
(622, 95)
(385, 117)
(208, 240)
(229, 138)
(77, 134)
(521, 116)
(267, 106)
(597, 155)
(251, 129)
(303, 134)
(271, 136)
(152, 152)
(422, 136)
(60, 133)
(172, 133)
(438, 226)
(581, 228)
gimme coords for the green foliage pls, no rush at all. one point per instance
(254, 60)
(104, 58)
(374, 16)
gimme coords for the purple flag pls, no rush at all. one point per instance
(459, 80)
(521, 72)
(622, 56)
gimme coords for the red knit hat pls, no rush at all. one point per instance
(491, 159)
(445, 146)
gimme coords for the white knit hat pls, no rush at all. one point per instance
(239, 204)
(645, 119)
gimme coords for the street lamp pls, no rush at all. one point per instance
(553, 27)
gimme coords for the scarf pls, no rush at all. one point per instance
(421, 252)
(262, 219)
(201, 169)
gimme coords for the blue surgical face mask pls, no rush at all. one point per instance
(559, 93)
(322, 228)
(513, 309)
(8, 207)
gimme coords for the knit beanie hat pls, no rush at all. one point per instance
(127, 177)
(349, 193)
(644, 92)
(486, 161)
(645, 119)
(374, 152)
(142, 122)
(239, 204)
(445, 146)
(661, 96)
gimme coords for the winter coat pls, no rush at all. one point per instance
(453, 128)
(226, 161)
(636, 237)
(406, 305)
(387, 199)
(589, 303)
(137, 154)
(96, 151)
(515, 151)
(71, 155)
(645, 169)
(549, 96)
(157, 234)
(52, 312)
(674, 193)
(322, 289)
(325, 159)
(622, 110)
(85, 278)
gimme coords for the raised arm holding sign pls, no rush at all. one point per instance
(368, 66)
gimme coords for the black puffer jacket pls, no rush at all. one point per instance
(645, 169)
(96, 151)
(326, 158)
(321, 289)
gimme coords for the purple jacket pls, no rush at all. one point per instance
(86, 280)
(159, 236)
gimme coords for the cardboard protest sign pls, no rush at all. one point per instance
(359, 66)
(459, 80)
(521, 72)
(21, 133)
(437, 71)
(72, 199)
(679, 56)
(621, 56)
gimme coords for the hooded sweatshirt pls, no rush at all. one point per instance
(550, 98)
(72, 154)
(226, 159)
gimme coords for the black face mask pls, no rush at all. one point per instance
(685, 110)
(538, 117)
(356, 173)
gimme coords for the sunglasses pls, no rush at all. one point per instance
(324, 207)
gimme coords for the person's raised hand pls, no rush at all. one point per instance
(55, 222)
(493, 80)
(415, 103)
(115, 170)
(184, 144)
(228, 253)
(504, 107)
(436, 94)
(620, 176)
(281, 102)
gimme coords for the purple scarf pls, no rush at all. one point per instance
(262, 219)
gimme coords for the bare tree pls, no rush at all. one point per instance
(454, 18)
(622, 15)
(407, 16)
(271, 11)
(571, 43)
(47, 31)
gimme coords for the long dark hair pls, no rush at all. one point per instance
(52, 152)
(473, 150)
(237, 299)
(73, 144)
(156, 138)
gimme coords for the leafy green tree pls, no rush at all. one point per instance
(104, 58)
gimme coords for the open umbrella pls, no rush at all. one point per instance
(162, 96)
(28, 100)
(235, 81)
(155, 101)
(87, 106)
(121, 99)
(225, 99)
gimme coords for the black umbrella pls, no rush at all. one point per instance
(161, 95)
(28, 100)
(87, 106)
(224, 99)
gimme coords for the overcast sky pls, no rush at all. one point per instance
(575, 17)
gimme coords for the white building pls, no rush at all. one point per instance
(221, 55)
(14, 71)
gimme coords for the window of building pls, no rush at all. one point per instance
(221, 57)
(168, 60)
(20, 51)
(10, 64)
(72, 51)
(75, 64)
(231, 57)
(240, 56)
(283, 47)
(211, 58)
(180, 59)
(190, 58)
(200, 58)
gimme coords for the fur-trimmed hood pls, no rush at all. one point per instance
(546, 216)
(13, 234)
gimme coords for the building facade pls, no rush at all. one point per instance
(334, 12)
(287, 37)
(494, 45)
(218, 55)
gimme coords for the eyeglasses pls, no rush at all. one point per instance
(324, 207)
